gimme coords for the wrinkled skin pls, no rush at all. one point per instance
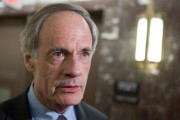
(64, 59)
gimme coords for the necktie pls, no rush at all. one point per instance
(61, 117)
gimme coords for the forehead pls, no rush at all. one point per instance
(64, 21)
(64, 18)
(64, 25)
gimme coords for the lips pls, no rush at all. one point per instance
(69, 89)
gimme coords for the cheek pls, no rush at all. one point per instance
(88, 67)
(85, 72)
(47, 69)
(46, 76)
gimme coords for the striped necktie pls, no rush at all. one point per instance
(61, 117)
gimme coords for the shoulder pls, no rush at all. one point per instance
(4, 110)
(6, 107)
(13, 102)
(14, 106)
(90, 112)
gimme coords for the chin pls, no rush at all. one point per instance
(69, 99)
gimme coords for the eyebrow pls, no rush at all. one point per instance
(57, 49)
(87, 49)
(64, 50)
(60, 49)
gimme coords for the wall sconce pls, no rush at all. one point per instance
(150, 38)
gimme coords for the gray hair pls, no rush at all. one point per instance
(30, 35)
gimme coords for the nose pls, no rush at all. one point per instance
(72, 67)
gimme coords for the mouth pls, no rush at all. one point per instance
(69, 89)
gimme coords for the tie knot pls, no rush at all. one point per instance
(61, 117)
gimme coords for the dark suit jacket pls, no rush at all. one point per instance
(18, 109)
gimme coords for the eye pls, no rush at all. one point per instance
(58, 54)
(85, 54)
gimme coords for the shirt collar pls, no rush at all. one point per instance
(41, 112)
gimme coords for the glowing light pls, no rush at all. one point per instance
(155, 40)
(141, 39)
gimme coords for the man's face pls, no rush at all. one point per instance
(64, 59)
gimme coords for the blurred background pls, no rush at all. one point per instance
(120, 85)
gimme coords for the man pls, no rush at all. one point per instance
(58, 44)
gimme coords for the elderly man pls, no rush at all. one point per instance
(58, 44)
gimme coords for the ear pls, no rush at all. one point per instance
(29, 61)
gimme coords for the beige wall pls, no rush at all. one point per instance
(13, 75)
